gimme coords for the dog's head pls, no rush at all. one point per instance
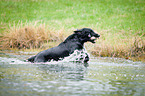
(87, 34)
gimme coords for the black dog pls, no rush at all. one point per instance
(73, 42)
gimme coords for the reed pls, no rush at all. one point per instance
(129, 48)
(37, 35)
(30, 35)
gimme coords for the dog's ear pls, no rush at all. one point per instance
(78, 31)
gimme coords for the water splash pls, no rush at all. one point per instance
(12, 58)
(77, 56)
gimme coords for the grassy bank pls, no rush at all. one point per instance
(48, 22)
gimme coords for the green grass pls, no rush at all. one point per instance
(99, 14)
(118, 21)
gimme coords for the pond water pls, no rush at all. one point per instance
(100, 77)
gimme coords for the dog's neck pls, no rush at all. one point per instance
(74, 38)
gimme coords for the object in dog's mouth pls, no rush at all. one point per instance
(94, 38)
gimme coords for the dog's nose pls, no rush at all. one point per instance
(97, 35)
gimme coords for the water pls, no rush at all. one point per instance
(101, 77)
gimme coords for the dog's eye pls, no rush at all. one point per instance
(89, 35)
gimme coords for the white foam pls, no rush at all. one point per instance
(77, 56)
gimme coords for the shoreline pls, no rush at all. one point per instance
(38, 37)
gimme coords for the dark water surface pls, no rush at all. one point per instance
(102, 77)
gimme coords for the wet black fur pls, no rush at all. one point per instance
(73, 42)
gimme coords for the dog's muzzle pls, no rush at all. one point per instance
(93, 38)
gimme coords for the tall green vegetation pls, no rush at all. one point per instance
(120, 23)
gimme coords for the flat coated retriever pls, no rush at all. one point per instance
(73, 42)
